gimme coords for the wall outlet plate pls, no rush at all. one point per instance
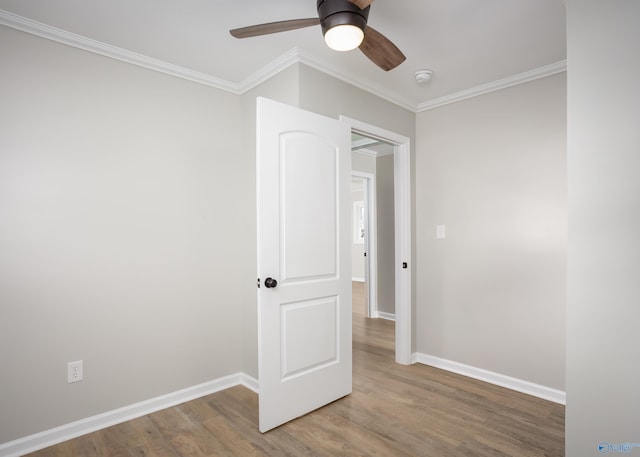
(74, 371)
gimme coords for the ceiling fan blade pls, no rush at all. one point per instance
(380, 50)
(362, 4)
(273, 27)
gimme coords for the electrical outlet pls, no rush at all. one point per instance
(74, 371)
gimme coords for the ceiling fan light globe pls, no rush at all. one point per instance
(344, 37)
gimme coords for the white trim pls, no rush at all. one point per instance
(385, 316)
(371, 153)
(294, 55)
(362, 142)
(365, 152)
(357, 279)
(527, 76)
(281, 63)
(247, 381)
(402, 204)
(402, 210)
(97, 47)
(519, 385)
(379, 91)
(291, 57)
(72, 430)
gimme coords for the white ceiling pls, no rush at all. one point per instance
(467, 43)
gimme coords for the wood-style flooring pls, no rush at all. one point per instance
(394, 410)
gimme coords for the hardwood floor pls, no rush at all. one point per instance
(394, 410)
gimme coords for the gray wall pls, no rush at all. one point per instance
(603, 374)
(115, 232)
(331, 97)
(385, 235)
(363, 163)
(492, 170)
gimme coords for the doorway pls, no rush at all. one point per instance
(363, 249)
(402, 268)
(373, 255)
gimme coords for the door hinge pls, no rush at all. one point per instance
(258, 283)
(404, 265)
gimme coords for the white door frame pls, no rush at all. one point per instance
(402, 209)
(370, 269)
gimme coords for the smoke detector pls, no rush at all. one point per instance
(423, 76)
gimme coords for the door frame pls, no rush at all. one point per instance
(402, 212)
(370, 269)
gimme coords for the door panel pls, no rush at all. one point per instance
(303, 170)
(309, 333)
(308, 163)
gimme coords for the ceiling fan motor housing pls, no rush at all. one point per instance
(341, 12)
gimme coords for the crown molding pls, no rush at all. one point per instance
(281, 63)
(289, 58)
(297, 55)
(371, 153)
(87, 44)
(330, 70)
(360, 146)
(365, 152)
(493, 86)
(363, 142)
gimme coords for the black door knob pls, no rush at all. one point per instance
(270, 283)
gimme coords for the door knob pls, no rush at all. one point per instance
(270, 283)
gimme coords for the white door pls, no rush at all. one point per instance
(304, 264)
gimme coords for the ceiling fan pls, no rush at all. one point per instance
(344, 26)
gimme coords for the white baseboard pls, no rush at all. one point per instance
(249, 382)
(66, 432)
(354, 279)
(537, 390)
(383, 315)
(72, 430)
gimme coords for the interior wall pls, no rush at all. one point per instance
(492, 169)
(603, 374)
(385, 232)
(120, 246)
(324, 94)
(363, 163)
